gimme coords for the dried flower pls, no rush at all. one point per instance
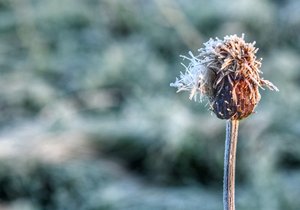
(227, 73)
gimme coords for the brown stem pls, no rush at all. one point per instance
(229, 164)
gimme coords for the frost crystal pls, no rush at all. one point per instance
(193, 78)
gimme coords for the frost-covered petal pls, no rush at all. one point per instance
(192, 79)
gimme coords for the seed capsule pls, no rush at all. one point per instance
(236, 101)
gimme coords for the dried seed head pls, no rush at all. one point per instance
(227, 73)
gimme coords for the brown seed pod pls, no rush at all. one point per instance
(227, 73)
(237, 79)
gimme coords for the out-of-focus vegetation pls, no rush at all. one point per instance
(88, 120)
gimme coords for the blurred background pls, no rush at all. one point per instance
(88, 120)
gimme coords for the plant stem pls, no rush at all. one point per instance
(229, 164)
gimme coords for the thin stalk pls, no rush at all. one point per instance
(229, 164)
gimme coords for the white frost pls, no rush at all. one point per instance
(192, 79)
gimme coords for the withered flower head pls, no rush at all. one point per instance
(227, 73)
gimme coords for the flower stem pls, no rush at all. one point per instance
(229, 164)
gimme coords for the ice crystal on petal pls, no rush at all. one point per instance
(192, 79)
